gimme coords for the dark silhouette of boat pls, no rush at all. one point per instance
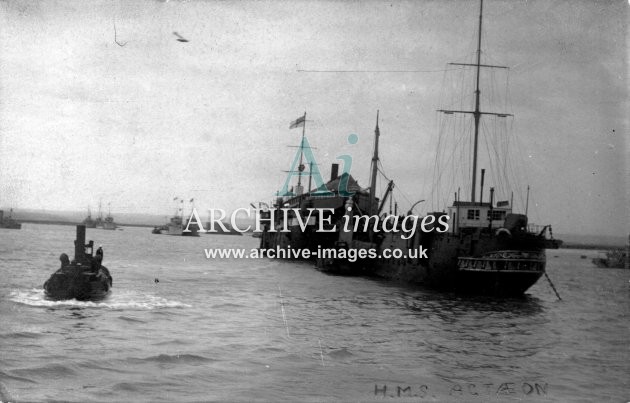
(9, 222)
(615, 259)
(88, 221)
(486, 248)
(107, 222)
(177, 225)
(83, 278)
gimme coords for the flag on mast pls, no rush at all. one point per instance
(299, 122)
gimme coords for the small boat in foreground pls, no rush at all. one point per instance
(83, 279)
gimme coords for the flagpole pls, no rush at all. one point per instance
(300, 167)
(310, 176)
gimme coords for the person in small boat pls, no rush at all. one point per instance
(96, 262)
(98, 258)
(65, 260)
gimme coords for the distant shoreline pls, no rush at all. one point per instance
(565, 245)
(47, 222)
(591, 246)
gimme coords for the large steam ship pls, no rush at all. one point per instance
(485, 247)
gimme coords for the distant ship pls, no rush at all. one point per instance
(615, 259)
(107, 222)
(176, 225)
(88, 221)
(487, 248)
(9, 222)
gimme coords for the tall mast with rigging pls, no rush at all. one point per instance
(301, 166)
(377, 134)
(477, 111)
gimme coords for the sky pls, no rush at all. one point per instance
(99, 102)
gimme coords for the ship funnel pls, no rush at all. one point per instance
(483, 174)
(79, 244)
(334, 172)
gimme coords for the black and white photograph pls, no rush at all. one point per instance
(314, 201)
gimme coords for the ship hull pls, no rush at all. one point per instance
(174, 230)
(11, 225)
(8, 222)
(78, 282)
(452, 278)
(179, 231)
(496, 282)
(476, 263)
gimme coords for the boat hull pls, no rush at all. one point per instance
(8, 222)
(496, 282)
(80, 282)
(475, 263)
(499, 282)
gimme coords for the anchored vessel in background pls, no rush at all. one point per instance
(88, 221)
(487, 249)
(9, 222)
(85, 278)
(100, 222)
(177, 224)
(108, 221)
(616, 258)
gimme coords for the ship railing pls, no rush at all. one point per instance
(536, 228)
(501, 264)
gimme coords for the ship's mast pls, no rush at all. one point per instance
(477, 111)
(301, 166)
(377, 134)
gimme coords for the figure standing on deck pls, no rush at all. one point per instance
(99, 257)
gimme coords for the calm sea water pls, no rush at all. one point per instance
(268, 330)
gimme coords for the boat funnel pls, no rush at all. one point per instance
(79, 244)
(483, 174)
(334, 172)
